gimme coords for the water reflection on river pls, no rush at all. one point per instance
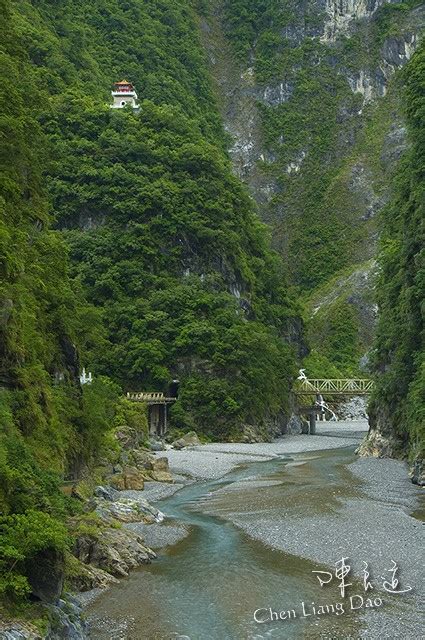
(208, 586)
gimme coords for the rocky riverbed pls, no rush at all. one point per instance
(294, 496)
(257, 519)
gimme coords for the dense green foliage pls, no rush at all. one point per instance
(22, 536)
(171, 271)
(336, 331)
(164, 240)
(398, 407)
(172, 232)
(49, 426)
(127, 245)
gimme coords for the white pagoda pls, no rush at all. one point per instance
(124, 94)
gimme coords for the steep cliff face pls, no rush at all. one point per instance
(309, 96)
(397, 416)
(164, 239)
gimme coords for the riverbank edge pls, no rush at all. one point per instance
(214, 461)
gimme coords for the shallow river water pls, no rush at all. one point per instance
(208, 586)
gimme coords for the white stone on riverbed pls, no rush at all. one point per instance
(158, 536)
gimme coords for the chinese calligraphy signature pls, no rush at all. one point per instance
(342, 572)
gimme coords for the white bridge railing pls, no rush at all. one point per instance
(335, 386)
(149, 398)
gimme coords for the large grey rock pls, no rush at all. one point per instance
(188, 440)
(116, 551)
(66, 621)
(378, 445)
(156, 445)
(295, 425)
(18, 631)
(85, 577)
(128, 510)
(417, 473)
(107, 493)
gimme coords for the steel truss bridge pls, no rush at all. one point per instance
(334, 387)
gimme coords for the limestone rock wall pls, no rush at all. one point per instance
(321, 205)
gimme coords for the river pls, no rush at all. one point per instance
(208, 585)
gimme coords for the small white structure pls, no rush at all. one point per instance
(86, 379)
(124, 94)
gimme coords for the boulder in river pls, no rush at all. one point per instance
(189, 439)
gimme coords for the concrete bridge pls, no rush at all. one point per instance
(157, 410)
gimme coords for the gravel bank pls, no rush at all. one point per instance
(213, 461)
(367, 517)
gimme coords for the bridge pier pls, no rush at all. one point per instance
(312, 421)
(311, 413)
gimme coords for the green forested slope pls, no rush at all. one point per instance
(398, 408)
(128, 246)
(170, 271)
(163, 238)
